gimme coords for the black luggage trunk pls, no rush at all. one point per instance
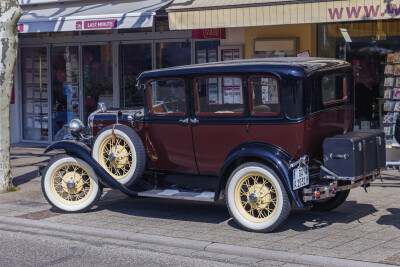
(350, 156)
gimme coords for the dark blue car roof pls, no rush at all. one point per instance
(286, 65)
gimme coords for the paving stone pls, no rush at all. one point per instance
(375, 254)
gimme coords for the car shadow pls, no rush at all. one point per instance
(392, 219)
(216, 213)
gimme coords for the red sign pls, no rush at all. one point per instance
(20, 27)
(96, 24)
(209, 34)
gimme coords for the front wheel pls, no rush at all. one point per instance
(70, 185)
(256, 198)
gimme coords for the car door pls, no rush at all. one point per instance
(168, 135)
(219, 120)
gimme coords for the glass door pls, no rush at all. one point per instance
(35, 103)
(64, 86)
(97, 77)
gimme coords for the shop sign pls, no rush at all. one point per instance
(96, 24)
(209, 34)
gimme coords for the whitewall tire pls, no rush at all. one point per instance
(70, 185)
(256, 198)
(122, 155)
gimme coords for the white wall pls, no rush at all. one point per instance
(234, 36)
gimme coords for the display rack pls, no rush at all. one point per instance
(391, 106)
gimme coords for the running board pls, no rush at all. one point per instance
(177, 194)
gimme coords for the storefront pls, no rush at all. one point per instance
(72, 58)
(364, 34)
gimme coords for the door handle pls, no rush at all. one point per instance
(194, 121)
(184, 121)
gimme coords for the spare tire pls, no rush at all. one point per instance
(122, 156)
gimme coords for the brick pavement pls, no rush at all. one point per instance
(366, 227)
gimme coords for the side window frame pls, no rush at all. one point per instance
(250, 89)
(345, 90)
(149, 98)
(213, 114)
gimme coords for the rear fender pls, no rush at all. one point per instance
(79, 150)
(274, 156)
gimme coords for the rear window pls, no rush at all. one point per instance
(334, 89)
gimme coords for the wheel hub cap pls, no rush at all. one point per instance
(253, 198)
(112, 157)
(70, 184)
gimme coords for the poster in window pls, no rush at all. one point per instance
(45, 122)
(228, 81)
(37, 107)
(37, 91)
(44, 76)
(236, 54)
(388, 118)
(45, 107)
(237, 95)
(213, 93)
(227, 55)
(29, 91)
(36, 78)
(269, 91)
(397, 107)
(28, 76)
(201, 56)
(28, 62)
(29, 121)
(37, 122)
(43, 94)
(389, 105)
(228, 96)
(37, 62)
(212, 55)
(29, 106)
(237, 81)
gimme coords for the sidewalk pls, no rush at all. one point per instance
(365, 228)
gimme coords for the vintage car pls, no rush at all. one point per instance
(262, 134)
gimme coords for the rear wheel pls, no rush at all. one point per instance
(70, 185)
(256, 198)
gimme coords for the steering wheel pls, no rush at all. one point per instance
(172, 104)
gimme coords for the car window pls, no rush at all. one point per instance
(264, 95)
(334, 88)
(219, 95)
(167, 96)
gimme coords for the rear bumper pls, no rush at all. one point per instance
(319, 192)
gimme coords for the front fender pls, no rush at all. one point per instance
(82, 151)
(277, 158)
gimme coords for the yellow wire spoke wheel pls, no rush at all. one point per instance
(255, 197)
(116, 156)
(71, 184)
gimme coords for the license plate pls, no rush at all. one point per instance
(300, 177)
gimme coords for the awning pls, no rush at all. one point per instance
(202, 14)
(89, 15)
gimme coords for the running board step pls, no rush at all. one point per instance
(177, 194)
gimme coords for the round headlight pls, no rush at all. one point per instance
(75, 126)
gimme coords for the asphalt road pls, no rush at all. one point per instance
(33, 247)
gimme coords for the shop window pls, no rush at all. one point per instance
(97, 77)
(334, 89)
(135, 30)
(167, 97)
(97, 32)
(171, 54)
(207, 51)
(64, 86)
(219, 95)
(264, 95)
(134, 59)
(33, 35)
(35, 111)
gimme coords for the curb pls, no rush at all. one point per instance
(264, 254)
